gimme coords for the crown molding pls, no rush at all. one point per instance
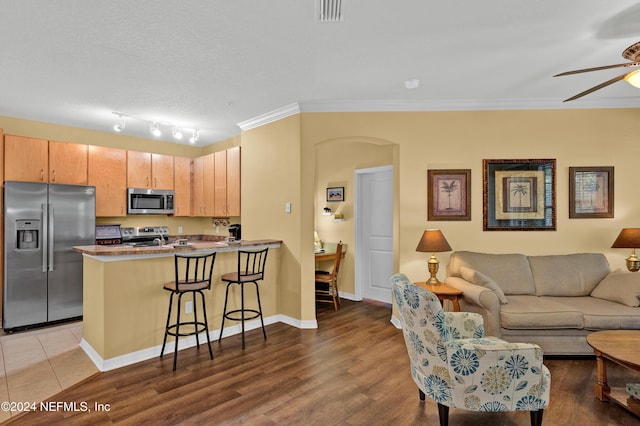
(429, 105)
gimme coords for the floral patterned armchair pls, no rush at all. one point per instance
(453, 363)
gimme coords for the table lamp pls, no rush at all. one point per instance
(629, 238)
(433, 241)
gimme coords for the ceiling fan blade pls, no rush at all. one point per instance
(598, 87)
(605, 67)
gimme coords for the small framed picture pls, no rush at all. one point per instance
(449, 194)
(335, 194)
(590, 192)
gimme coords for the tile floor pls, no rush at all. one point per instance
(37, 364)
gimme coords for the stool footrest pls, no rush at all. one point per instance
(200, 327)
(228, 315)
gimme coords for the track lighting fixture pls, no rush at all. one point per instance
(195, 137)
(176, 132)
(154, 128)
(120, 124)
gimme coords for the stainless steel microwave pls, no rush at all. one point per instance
(149, 201)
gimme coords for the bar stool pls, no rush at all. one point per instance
(192, 275)
(250, 270)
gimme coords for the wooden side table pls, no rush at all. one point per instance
(444, 292)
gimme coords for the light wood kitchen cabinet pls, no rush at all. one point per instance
(220, 184)
(39, 160)
(147, 170)
(26, 159)
(107, 170)
(233, 181)
(227, 182)
(182, 186)
(203, 190)
(68, 163)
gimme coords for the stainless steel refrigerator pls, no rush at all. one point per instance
(42, 273)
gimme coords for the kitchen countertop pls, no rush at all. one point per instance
(193, 245)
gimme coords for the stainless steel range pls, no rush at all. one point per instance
(145, 236)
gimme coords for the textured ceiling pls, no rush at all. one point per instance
(211, 64)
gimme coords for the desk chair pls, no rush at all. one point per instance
(250, 270)
(327, 282)
(192, 275)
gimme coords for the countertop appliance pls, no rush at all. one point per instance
(145, 236)
(235, 231)
(43, 274)
(108, 235)
(149, 201)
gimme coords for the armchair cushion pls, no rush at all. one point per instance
(478, 278)
(619, 286)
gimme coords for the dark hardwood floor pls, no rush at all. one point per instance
(352, 370)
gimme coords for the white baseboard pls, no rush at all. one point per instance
(187, 342)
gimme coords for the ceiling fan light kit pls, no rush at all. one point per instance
(631, 53)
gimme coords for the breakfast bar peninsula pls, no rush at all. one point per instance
(125, 307)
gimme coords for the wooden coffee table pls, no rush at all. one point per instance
(623, 348)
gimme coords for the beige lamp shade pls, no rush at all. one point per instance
(629, 238)
(433, 241)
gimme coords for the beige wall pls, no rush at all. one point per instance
(450, 140)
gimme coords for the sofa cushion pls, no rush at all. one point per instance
(568, 274)
(619, 286)
(511, 272)
(599, 314)
(533, 312)
(478, 278)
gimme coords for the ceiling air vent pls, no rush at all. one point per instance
(330, 11)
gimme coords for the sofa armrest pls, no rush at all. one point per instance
(481, 300)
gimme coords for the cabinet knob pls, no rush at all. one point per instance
(53, 176)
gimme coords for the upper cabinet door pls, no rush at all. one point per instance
(68, 163)
(182, 186)
(107, 170)
(162, 171)
(26, 159)
(138, 169)
(233, 181)
(220, 184)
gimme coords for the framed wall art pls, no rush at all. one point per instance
(590, 192)
(335, 194)
(519, 195)
(449, 194)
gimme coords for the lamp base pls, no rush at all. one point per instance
(433, 270)
(633, 263)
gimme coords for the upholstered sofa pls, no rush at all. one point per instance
(554, 301)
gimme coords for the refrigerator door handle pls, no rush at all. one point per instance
(52, 221)
(44, 233)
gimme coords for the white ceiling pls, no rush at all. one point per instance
(211, 64)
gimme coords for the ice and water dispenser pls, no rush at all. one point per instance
(28, 231)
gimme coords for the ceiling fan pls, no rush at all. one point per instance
(632, 53)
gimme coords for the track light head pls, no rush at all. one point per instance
(154, 128)
(176, 132)
(196, 135)
(120, 123)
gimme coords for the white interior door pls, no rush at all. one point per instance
(374, 233)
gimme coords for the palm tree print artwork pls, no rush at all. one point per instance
(520, 190)
(448, 188)
(591, 192)
(448, 197)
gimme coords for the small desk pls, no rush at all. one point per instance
(444, 292)
(327, 255)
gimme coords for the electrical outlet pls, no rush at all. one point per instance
(287, 207)
(188, 307)
(179, 229)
